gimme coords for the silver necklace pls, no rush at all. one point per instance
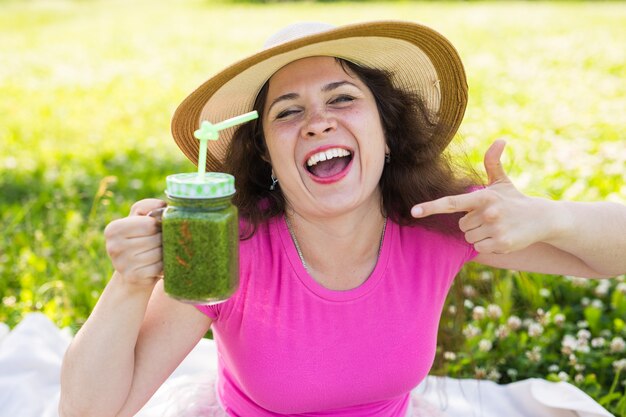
(295, 241)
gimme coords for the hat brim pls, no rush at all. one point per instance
(421, 60)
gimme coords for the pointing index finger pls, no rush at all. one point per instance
(450, 204)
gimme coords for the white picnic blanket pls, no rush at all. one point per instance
(31, 355)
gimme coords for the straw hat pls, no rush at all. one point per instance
(421, 59)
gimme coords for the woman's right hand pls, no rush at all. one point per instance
(134, 244)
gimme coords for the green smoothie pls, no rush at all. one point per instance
(200, 248)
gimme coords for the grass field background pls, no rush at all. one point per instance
(88, 88)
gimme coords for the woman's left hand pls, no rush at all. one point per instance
(499, 218)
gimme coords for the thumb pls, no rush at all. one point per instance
(145, 206)
(493, 166)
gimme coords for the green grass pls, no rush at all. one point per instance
(88, 89)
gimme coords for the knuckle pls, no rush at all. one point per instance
(489, 196)
(465, 223)
(136, 207)
(453, 203)
(110, 230)
(113, 249)
(491, 214)
(142, 207)
(479, 247)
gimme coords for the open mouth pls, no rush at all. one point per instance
(329, 163)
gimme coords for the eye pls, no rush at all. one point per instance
(342, 98)
(286, 113)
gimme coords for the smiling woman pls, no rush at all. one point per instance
(407, 124)
(346, 264)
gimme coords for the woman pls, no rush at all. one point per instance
(343, 267)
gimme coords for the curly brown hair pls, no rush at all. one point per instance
(418, 170)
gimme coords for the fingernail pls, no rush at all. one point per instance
(157, 214)
(416, 211)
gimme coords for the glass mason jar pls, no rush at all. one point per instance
(200, 231)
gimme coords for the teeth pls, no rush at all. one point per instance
(326, 155)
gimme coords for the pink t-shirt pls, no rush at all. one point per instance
(289, 346)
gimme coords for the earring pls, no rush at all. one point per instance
(274, 181)
(387, 157)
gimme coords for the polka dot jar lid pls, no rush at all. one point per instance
(194, 185)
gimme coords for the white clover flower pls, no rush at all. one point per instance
(494, 375)
(478, 313)
(534, 355)
(9, 301)
(480, 373)
(471, 331)
(597, 342)
(583, 334)
(512, 372)
(572, 359)
(602, 289)
(597, 304)
(485, 345)
(585, 301)
(563, 376)
(579, 367)
(527, 322)
(449, 356)
(582, 346)
(514, 322)
(620, 365)
(621, 287)
(559, 319)
(486, 276)
(469, 291)
(452, 309)
(620, 278)
(582, 324)
(617, 345)
(553, 368)
(583, 349)
(568, 344)
(502, 331)
(544, 292)
(468, 304)
(494, 311)
(579, 378)
(535, 330)
(578, 282)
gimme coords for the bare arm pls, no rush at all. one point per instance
(514, 231)
(582, 239)
(98, 366)
(136, 336)
(169, 332)
(594, 232)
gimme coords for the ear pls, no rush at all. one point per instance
(261, 149)
(266, 157)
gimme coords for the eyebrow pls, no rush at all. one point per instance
(326, 88)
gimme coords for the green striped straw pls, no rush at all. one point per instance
(209, 131)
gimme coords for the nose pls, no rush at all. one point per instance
(317, 124)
